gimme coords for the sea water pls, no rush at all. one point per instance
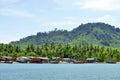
(59, 72)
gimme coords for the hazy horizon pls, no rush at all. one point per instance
(21, 18)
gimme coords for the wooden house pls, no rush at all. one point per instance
(44, 59)
(78, 62)
(23, 59)
(90, 60)
(67, 60)
(0, 58)
(35, 60)
(110, 62)
(7, 59)
(55, 60)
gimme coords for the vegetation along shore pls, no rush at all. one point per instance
(58, 53)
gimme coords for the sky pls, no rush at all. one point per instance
(21, 18)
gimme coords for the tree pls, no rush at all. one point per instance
(38, 51)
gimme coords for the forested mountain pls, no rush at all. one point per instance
(91, 33)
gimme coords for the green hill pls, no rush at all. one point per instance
(91, 33)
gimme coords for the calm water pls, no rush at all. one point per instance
(59, 72)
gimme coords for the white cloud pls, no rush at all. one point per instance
(12, 12)
(6, 2)
(70, 18)
(62, 2)
(67, 23)
(6, 38)
(91, 4)
(107, 19)
(9, 8)
(100, 4)
(61, 23)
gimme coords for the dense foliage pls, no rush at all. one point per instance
(78, 52)
(92, 33)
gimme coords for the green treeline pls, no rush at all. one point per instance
(78, 52)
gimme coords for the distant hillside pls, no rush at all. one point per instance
(91, 33)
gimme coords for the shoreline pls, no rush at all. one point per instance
(59, 63)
